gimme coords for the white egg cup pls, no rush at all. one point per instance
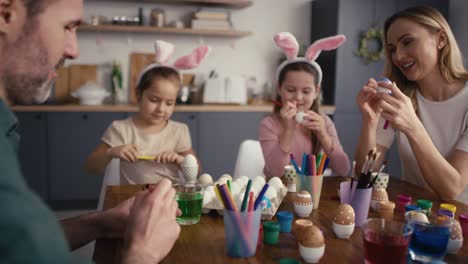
(303, 210)
(454, 245)
(343, 231)
(311, 255)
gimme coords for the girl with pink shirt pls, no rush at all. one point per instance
(297, 127)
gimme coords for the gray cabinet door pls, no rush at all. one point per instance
(72, 137)
(33, 150)
(191, 120)
(220, 135)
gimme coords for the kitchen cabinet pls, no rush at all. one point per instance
(33, 150)
(71, 138)
(220, 135)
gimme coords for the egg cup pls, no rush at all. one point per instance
(343, 231)
(454, 245)
(311, 255)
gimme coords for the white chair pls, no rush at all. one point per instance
(250, 161)
(111, 177)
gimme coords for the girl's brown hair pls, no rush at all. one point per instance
(305, 67)
(157, 73)
(450, 60)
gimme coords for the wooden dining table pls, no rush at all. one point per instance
(204, 242)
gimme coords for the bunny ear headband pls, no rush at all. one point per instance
(164, 51)
(288, 43)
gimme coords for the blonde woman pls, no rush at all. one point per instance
(428, 108)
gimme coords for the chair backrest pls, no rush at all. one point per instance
(250, 161)
(111, 177)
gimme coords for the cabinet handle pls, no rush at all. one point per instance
(84, 116)
(38, 117)
(192, 117)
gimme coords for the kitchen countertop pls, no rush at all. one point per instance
(327, 109)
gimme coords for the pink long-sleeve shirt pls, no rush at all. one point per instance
(275, 158)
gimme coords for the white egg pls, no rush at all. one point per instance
(189, 161)
(209, 188)
(205, 179)
(242, 180)
(235, 185)
(235, 190)
(299, 117)
(257, 186)
(222, 181)
(208, 197)
(276, 183)
(227, 176)
(259, 179)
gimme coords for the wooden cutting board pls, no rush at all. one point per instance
(61, 92)
(138, 61)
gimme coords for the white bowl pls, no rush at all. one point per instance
(303, 210)
(311, 255)
(90, 94)
(454, 245)
(343, 231)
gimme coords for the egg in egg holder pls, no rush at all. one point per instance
(358, 198)
(456, 238)
(312, 244)
(344, 221)
(290, 176)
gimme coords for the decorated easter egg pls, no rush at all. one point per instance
(303, 197)
(344, 215)
(299, 117)
(416, 216)
(379, 194)
(312, 237)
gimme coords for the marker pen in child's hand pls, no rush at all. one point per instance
(387, 91)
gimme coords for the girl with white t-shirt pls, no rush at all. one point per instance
(149, 144)
(428, 106)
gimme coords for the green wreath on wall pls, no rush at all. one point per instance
(371, 56)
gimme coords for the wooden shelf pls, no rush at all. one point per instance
(267, 108)
(178, 31)
(236, 4)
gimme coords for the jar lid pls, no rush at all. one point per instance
(271, 226)
(386, 205)
(445, 212)
(449, 207)
(424, 204)
(289, 261)
(284, 215)
(404, 198)
(463, 218)
(412, 207)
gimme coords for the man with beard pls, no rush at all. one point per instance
(36, 37)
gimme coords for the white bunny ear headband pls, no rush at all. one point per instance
(288, 43)
(164, 51)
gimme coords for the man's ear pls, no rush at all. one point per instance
(9, 14)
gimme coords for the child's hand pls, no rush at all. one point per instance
(128, 152)
(287, 113)
(315, 122)
(169, 157)
(368, 102)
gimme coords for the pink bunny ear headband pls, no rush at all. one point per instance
(164, 51)
(288, 43)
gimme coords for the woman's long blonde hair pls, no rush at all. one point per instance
(449, 60)
(305, 67)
